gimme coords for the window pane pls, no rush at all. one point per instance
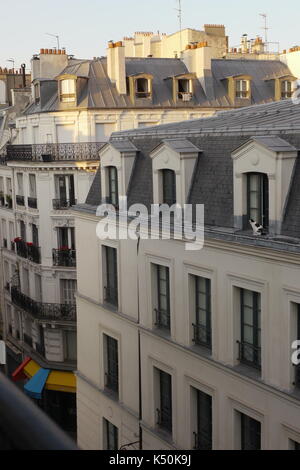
(204, 418)
(250, 433)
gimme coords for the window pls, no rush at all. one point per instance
(203, 437)
(67, 91)
(70, 345)
(169, 187)
(242, 88)
(38, 287)
(184, 89)
(202, 326)
(294, 445)
(250, 433)
(297, 368)
(250, 345)
(142, 88)
(110, 436)
(68, 290)
(35, 235)
(112, 364)
(66, 238)
(23, 230)
(113, 192)
(64, 191)
(37, 95)
(164, 412)
(26, 286)
(111, 281)
(163, 297)
(20, 184)
(286, 89)
(258, 198)
(32, 185)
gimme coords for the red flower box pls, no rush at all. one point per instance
(29, 244)
(64, 248)
(18, 239)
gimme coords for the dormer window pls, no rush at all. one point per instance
(142, 88)
(242, 89)
(169, 187)
(67, 91)
(286, 89)
(185, 89)
(37, 93)
(113, 191)
(258, 198)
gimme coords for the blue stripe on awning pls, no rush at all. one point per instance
(35, 385)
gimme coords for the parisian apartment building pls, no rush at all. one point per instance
(55, 129)
(182, 349)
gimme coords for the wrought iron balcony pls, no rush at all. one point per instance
(64, 258)
(23, 425)
(28, 251)
(111, 295)
(249, 354)
(63, 204)
(54, 152)
(27, 340)
(164, 419)
(163, 319)
(112, 382)
(20, 200)
(32, 202)
(202, 335)
(43, 311)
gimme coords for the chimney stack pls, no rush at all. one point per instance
(197, 59)
(116, 65)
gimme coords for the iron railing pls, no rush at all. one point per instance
(23, 425)
(249, 354)
(112, 382)
(32, 202)
(62, 204)
(111, 295)
(202, 335)
(28, 251)
(64, 258)
(163, 319)
(164, 419)
(53, 152)
(20, 200)
(41, 310)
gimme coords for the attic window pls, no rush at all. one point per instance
(184, 89)
(142, 88)
(286, 89)
(37, 95)
(258, 198)
(67, 91)
(242, 89)
(169, 187)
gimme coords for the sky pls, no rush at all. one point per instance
(85, 26)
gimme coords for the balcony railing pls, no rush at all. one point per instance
(202, 336)
(249, 354)
(28, 340)
(111, 295)
(43, 311)
(20, 200)
(162, 319)
(64, 258)
(32, 202)
(54, 152)
(23, 425)
(112, 382)
(164, 419)
(63, 204)
(28, 251)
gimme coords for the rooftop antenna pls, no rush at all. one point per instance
(54, 36)
(265, 27)
(179, 11)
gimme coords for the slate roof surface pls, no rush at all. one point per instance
(100, 93)
(212, 183)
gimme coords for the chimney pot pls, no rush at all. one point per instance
(42, 51)
(46, 51)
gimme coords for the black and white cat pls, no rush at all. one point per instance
(257, 228)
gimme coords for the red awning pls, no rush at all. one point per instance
(18, 374)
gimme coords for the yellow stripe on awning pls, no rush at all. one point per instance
(59, 381)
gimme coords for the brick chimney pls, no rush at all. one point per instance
(116, 65)
(49, 63)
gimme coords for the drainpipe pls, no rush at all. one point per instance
(139, 350)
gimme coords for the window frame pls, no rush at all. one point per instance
(198, 326)
(69, 97)
(206, 435)
(256, 330)
(245, 421)
(263, 196)
(165, 410)
(163, 316)
(111, 364)
(240, 93)
(108, 426)
(111, 287)
(113, 186)
(169, 196)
